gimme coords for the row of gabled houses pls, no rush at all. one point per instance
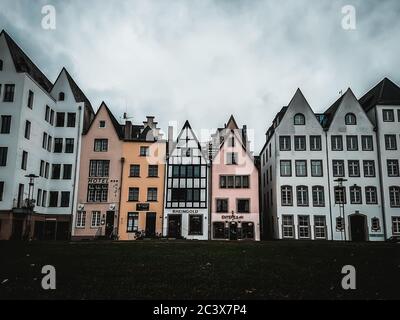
(66, 171)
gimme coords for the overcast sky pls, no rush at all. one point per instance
(204, 60)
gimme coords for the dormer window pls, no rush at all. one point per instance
(1, 65)
(350, 119)
(299, 119)
(61, 96)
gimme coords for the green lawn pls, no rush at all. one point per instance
(199, 270)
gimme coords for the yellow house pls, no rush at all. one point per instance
(142, 187)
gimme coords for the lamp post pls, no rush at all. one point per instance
(341, 205)
(30, 203)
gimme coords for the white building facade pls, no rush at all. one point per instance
(41, 126)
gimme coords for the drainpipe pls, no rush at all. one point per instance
(209, 200)
(78, 145)
(329, 182)
(120, 194)
(378, 148)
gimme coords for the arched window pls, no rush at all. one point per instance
(1, 65)
(350, 119)
(299, 119)
(61, 96)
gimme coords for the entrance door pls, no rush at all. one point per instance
(358, 227)
(233, 231)
(174, 226)
(17, 226)
(109, 224)
(150, 224)
(50, 229)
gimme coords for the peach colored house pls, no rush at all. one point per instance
(142, 192)
(235, 211)
(97, 205)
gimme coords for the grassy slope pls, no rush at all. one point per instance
(199, 270)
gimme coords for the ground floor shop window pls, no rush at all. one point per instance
(320, 227)
(247, 230)
(195, 225)
(287, 226)
(396, 225)
(304, 227)
(132, 223)
(219, 230)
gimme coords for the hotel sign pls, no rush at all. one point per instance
(98, 180)
(142, 206)
(232, 217)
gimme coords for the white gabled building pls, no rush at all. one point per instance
(186, 211)
(40, 129)
(382, 105)
(294, 184)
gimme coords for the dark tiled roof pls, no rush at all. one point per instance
(22, 63)
(77, 92)
(331, 111)
(385, 92)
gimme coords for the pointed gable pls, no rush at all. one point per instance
(102, 114)
(23, 64)
(232, 123)
(385, 92)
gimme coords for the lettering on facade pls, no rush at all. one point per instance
(142, 207)
(185, 211)
(98, 180)
(232, 217)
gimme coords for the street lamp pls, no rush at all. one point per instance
(341, 205)
(30, 203)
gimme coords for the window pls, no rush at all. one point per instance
(367, 143)
(302, 196)
(5, 124)
(69, 145)
(3, 156)
(393, 168)
(320, 227)
(102, 124)
(222, 205)
(350, 119)
(315, 143)
(195, 224)
(286, 168)
(1, 65)
(61, 96)
(388, 115)
(100, 145)
(96, 216)
(286, 196)
(354, 168)
(60, 119)
(247, 230)
(337, 143)
(304, 227)
(41, 170)
(30, 99)
(301, 168)
(245, 181)
(375, 224)
(97, 192)
(339, 224)
(152, 194)
(144, 151)
(99, 168)
(153, 170)
(53, 202)
(352, 143)
(71, 119)
(44, 199)
(38, 198)
(284, 143)
(396, 225)
(234, 182)
(219, 230)
(134, 170)
(49, 142)
(133, 194)
(58, 145)
(52, 117)
(340, 195)
(24, 161)
(9, 92)
(243, 205)
(55, 171)
(287, 226)
(1, 190)
(67, 172)
(27, 133)
(394, 196)
(300, 143)
(80, 219)
(369, 168)
(390, 142)
(44, 140)
(371, 195)
(65, 199)
(231, 157)
(47, 114)
(318, 196)
(46, 170)
(316, 168)
(299, 120)
(132, 222)
(338, 168)
(355, 195)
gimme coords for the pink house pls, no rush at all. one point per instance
(235, 198)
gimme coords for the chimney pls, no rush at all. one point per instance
(150, 122)
(128, 130)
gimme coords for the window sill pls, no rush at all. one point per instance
(152, 176)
